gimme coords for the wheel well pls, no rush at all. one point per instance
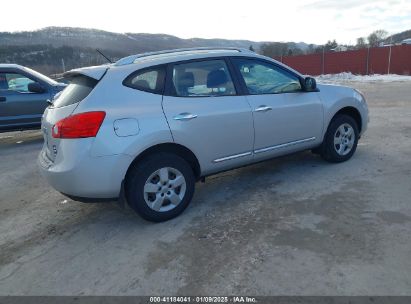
(177, 149)
(353, 112)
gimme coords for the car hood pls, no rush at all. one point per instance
(331, 86)
(343, 96)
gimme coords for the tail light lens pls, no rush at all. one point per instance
(79, 125)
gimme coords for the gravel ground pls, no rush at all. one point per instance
(291, 226)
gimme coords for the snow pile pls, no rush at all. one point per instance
(348, 77)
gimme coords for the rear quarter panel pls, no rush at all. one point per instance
(120, 102)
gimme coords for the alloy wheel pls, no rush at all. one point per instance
(344, 138)
(164, 189)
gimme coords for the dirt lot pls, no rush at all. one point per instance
(291, 226)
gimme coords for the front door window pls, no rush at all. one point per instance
(264, 78)
(14, 82)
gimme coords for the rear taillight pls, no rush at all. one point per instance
(79, 125)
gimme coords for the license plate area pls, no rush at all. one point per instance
(47, 144)
(45, 161)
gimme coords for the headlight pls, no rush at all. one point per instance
(359, 95)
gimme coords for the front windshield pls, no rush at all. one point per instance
(41, 76)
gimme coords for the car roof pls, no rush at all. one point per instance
(139, 61)
(10, 66)
(181, 54)
(28, 70)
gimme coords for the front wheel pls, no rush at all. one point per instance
(340, 141)
(160, 187)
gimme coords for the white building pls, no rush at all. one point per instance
(339, 48)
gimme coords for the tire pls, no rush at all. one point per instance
(160, 187)
(340, 141)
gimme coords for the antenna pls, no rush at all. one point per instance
(101, 53)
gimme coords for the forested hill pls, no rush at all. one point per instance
(397, 38)
(47, 49)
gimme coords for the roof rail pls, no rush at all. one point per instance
(130, 59)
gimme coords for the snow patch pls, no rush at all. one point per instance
(349, 77)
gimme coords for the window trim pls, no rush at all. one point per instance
(169, 74)
(244, 85)
(161, 80)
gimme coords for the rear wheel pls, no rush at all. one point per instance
(340, 141)
(160, 187)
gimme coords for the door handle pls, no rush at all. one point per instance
(184, 116)
(263, 109)
(2, 99)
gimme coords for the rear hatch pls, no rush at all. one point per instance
(82, 83)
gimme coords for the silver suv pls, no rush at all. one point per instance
(149, 126)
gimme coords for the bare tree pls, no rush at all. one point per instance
(376, 37)
(273, 49)
(310, 49)
(330, 45)
(361, 43)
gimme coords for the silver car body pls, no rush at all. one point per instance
(228, 131)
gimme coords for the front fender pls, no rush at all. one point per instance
(335, 98)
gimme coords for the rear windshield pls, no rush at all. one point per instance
(78, 89)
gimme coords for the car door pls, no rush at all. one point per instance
(18, 106)
(286, 118)
(206, 115)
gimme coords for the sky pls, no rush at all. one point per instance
(311, 21)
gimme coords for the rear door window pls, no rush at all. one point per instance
(79, 88)
(148, 80)
(202, 78)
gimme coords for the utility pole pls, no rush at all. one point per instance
(63, 65)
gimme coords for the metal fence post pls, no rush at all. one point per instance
(323, 62)
(368, 60)
(389, 57)
(389, 60)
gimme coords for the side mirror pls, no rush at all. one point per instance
(310, 85)
(35, 87)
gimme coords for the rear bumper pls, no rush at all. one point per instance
(83, 176)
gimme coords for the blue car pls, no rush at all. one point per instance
(23, 97)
